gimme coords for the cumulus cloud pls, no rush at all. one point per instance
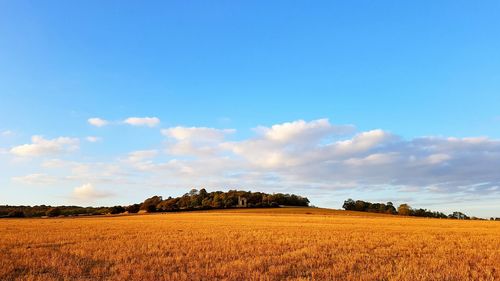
(303, 131)
(98, 122)
(142, 121)
(308, 157)
(318, 154)
(89, 192)
(362, 142)
(40, 146)
(288, 144)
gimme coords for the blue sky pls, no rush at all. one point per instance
(398, 75)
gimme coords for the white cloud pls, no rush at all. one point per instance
(305, 131)
(41, 146)
(37, 178)
(93, 139)
(98, 122)
(142, 121)
(88, 192)
(288, 144)
(362, 142)
(318, 154)
(196, 133)
(141, 155)
(195, 140)
(307, 157)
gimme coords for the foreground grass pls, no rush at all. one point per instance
(270, 244)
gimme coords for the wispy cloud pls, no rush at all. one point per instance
(35, 179)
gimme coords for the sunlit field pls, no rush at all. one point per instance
(250, 244)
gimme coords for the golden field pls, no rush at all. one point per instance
(250, 244)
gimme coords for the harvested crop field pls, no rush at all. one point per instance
(250, 244)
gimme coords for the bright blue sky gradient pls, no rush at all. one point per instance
(422, 68)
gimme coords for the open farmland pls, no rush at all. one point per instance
(250, 244)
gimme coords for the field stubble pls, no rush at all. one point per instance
(271, 244)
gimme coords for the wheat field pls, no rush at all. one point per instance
(258, 244)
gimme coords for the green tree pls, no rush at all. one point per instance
(116, 210)
(132, 209)
(349, 204)
(390, 208)
(53, 212)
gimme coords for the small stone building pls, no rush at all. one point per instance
(242, 202)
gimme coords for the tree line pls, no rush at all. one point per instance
(203, 200)
(403, 210)
(193, 200)
(51, 211)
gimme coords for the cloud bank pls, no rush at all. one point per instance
(317, 154)
(307, 157)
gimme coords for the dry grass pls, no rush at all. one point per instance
(278, 244)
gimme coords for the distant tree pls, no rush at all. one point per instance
(206, 203)
(132, 209)
(184, 201)
(458, 216)
(150, 204)
(217, 201)
(360, 206)
(349, 204)
(390, 209)
(168, 205)
(16, 214)
(195, 201)
(203, 193)
(53, 212)
(116, 210)
(151, 209)
(201, 199)
(404, 210)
